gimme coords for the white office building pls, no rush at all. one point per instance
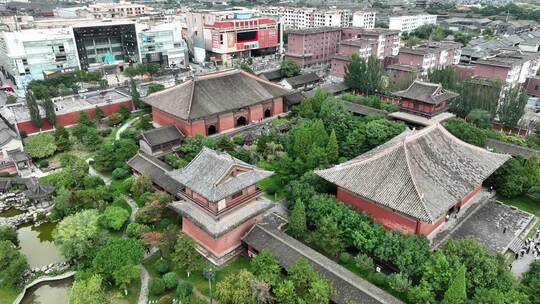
(303, 18)
(364, 19)
(408, 23)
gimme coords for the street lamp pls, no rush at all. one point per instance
(210, 275)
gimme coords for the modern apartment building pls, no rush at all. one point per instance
(223, 36)
(432, 55)
(303, 18)
(309, 47)
(364, 48)
(364, 19)
(511, 68)
(118, 10)
(388, 41)
(408, 23)
(25, 55)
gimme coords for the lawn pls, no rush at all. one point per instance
(196, 278)
(525, 203)
(280, 191)
(7, 295)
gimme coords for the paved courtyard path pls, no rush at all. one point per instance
(124, 127)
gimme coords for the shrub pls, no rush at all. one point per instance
(113, 218)
(43, 163)
(127, 183)
(184, 289)
(164, 224)
(120, 173)
(91, 182)
(238, 140)
(379, 279)
(106, 132)
(156, 287)
(162, 266)
(170, 279)
(399, 282)
(271, 189)
(345, 257)
(40, 146)
(136, 230)
(364, 262)
(166, 299)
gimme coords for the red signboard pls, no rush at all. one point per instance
(216, 42)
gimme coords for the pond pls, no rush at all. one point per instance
(36, 244)
(54, 292)
(11, 212)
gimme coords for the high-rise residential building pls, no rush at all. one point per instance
(364, 19)
(225, 35)
(512, 68)
(25, 55)
(408, 23)
(309, 47)
(303, 18)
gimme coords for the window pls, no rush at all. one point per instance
(237, 195)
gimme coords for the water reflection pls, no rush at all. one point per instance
(36, 244)
(48, 293)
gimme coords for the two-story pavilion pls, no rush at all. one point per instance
(216, 102)
(219, 203)
(424, 98)
(413, 181)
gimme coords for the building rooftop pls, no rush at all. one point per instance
(346, 287)
(361, 42)
(216, 175)
(67, 104)
(432, 93)
(303, 79)
(163, 135)
(316, 30)
(213, 94)
(431, 47)
(7, 134)
(512, 149)
(420, 174)
(421, 120)
(156, 170)
(404, 67)
(374, 31)
(508, 59)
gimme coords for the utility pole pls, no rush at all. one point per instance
(210, 275)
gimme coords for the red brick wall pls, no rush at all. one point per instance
(163, 119)
(338, 67)
(492, 72)
(411, 59)
(225, 243)
(69, 119)
(198, 127)
(277, 106)
(255, 113)
(225, 122)
(533, 86)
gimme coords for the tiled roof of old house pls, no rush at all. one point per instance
(431, 93)
(163, 135)
(420, 174)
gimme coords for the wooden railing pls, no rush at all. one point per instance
(224, 210)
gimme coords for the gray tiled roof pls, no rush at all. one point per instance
(357, 108)
(271, 75)
(163, 135)
(419, 174)
(431, 93)
(6, 133)
(214, 93)
(155, 170)
(217, 226)
(512, 149)
(346, 286)
(303, 79)
(207, 174)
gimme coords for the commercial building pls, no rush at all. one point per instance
(364, 19)
(106, 43)
(67, 109)
(162, 44)
(431, 55)
(25, 55)
(415, 181)
(424, 98)
(408, 23)
(219, 202)
(223, 36)
(118, 10)
(305, 18)
(313, 46)
(216, 102)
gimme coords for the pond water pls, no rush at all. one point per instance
(11, 212)
(54, 292)
(36, 244)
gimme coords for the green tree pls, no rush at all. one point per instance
(318, 292)
(456, 293)
(328, 237)
(364, 76)
(11, 99)
(40, 146)
(185, 255)
(135, 96)
(92, 138)
(124, 113)
(302, 275)
(8, 233)
(332, 148)
(297, 220)
(125, 275)
(87, 291)
(438, 271)
(447, 77)
(114, 256)
(531, 172)
(495, 296)
(50, 113)
(98, 114)
(512, 107)
(79, 236)
(12, 264)
(141, 184)
(480, 118)
(33, 109)
(531, 282)
(466, 131)
(265, 267)
(289, 68)
(113, 217)
(285, 293)
(61, 138)
(236, 289)
(421, 294)
(155, 87)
